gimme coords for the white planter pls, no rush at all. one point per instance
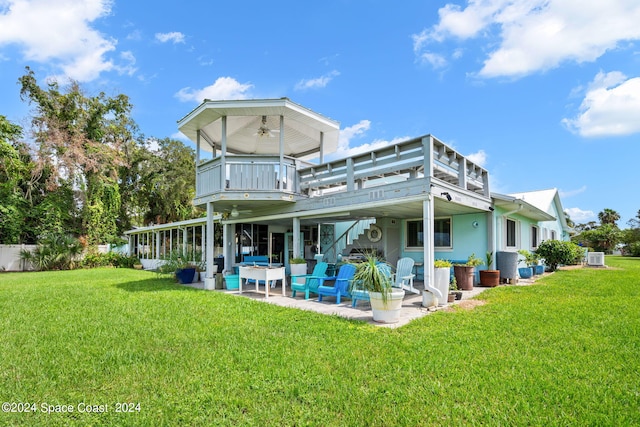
(389, 312)
(429, 299)
(298, 270)
(441, 277)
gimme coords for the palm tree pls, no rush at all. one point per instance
(609, 216)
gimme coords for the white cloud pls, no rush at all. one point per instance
(578, 215)
(435, 60)
(226, 88)
(174, 37)
(611, 107)
(319, 82)
(59, 33)
(535, 35)
(479, 158)
(347, 135)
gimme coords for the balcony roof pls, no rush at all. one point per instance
(302, 127)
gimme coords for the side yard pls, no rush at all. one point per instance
(561, 352)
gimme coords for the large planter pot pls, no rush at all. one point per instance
(388, 312)
(539, 269)
(185, 275)
(298, 270)
(525, 272)
(490, 278)
(464, 276)
(429, 299)
(441, 278)
(507, 263)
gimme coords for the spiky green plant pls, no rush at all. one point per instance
(54, 252)
(373, 276)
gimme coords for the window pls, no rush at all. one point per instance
(415, 234)
(553, 235)
(441, 233)
(511, 233)
(534, 236)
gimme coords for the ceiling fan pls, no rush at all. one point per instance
(264, 131)
(235, 212)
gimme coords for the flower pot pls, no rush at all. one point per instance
(298, 270)
(429, 299)
(464, 277)
(457, 295)
(388, 312)
(441, 277)
(539, 269)
(490, 278)
(185, 275)
(451, 298)
(525, 272)
(232, 281)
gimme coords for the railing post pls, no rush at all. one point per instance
(350, 175)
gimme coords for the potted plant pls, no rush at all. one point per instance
(298, 266)
(454, 293)
(490, 278)
(530, 260)
(179, 265)
(465, 273)
(374, 277)
(442, 277)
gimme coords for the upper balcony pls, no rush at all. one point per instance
(259, 152)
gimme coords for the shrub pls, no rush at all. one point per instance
(634, 249)
(556, 252)
(109, 259)
(54, 252)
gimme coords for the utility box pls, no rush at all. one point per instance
(595, 259)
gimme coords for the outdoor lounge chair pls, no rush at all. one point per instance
(341, 285)
(404, 275)
(311, 281)
(361, 294)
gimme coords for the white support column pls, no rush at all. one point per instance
(209, 281)
(197, 147)
(281, 150)
(296, 238)
(491, 236)
(230, 241)
(156, 237)
(223, 154)
(184, 241)
(427, 227)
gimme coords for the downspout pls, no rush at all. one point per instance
(427, 209)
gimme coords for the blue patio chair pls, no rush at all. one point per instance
(404, 275)
(311, 281)
(361, 294)
(341, 285)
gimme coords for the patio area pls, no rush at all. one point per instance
(411, 306)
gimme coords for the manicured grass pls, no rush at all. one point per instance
(562, 352)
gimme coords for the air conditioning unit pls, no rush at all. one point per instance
(595, 259)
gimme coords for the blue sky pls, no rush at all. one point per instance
(543, 93)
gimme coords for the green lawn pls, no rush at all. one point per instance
(565, 351)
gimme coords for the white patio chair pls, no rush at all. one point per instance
(403, 277)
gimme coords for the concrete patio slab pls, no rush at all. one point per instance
(411, 306)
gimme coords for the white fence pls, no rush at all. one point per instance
(10, 257)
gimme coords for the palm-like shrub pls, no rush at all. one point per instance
(54, 252)
(369, 276)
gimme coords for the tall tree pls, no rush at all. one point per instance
(609, 216)
(79, 139)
